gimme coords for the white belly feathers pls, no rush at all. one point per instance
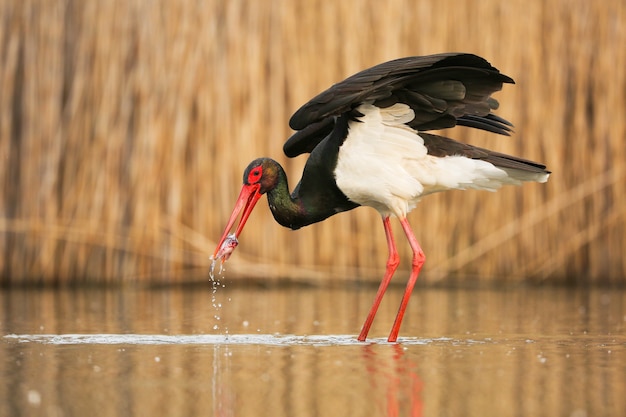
(384, 164)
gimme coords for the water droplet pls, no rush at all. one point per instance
(34, 397)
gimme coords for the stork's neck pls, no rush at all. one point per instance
(305, 205)
(288, 210)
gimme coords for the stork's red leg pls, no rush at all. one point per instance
(392, 263)
(418, 261)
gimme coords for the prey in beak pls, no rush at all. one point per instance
(248, 197)
(224, 252)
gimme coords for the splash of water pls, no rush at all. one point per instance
(224, 252)
(217, 305)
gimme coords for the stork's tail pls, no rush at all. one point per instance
(519, 168)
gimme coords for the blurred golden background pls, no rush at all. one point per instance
(125, 127)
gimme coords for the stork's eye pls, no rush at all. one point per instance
(255, 175)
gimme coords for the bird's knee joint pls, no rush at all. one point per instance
(419, 259)
(393, 261)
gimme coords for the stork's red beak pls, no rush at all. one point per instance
(246, 201)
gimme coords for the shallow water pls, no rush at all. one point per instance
(292, 351)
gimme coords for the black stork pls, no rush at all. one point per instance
(367, 146)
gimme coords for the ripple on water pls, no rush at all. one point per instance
(224, 339)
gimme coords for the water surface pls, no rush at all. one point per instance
(292, 351)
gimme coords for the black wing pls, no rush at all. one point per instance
(442, 146)
(443, 90)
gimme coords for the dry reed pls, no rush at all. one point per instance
(124, 128)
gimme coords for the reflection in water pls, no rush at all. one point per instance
(222, 392)
(293, 352)
(397, 377)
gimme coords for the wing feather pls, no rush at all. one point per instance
(443, 90)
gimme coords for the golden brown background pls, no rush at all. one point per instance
(125, 127)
